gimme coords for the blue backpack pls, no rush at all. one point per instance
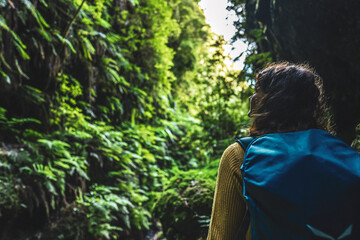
(301, 185)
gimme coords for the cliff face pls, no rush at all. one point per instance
(323, 33)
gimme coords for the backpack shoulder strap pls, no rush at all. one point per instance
(245, 141)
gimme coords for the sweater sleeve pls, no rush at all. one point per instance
(229, 204)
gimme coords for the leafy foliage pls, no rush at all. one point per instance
(101, 103)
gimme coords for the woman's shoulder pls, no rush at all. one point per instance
(234, 150)
(233, 156)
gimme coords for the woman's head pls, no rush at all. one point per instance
(287, 98)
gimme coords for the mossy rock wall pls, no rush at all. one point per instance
(323, 33)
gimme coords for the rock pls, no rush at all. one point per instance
(323, 33)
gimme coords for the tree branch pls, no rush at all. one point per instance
(66, 32)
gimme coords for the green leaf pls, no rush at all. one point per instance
(103, 23)
(4, 62)
(62, 165)
(45, 34)
(20, 70)
(39, 18)
(23, 54)
(88, 48)
(23, 120)
(6, 77)
(17, 38)
(42, 20)
(26, 169)
(66, 41)
(35, 94)
(50, 187)
(3, 24)
(44, 3)
(126, 220)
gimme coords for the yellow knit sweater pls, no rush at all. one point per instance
(229, 204)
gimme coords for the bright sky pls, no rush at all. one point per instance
(216, 14)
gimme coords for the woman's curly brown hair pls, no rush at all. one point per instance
(288, 97)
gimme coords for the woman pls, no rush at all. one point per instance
(287, 98)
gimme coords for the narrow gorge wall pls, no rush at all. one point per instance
(323, 33)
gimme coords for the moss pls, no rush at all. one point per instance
(184, 208)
